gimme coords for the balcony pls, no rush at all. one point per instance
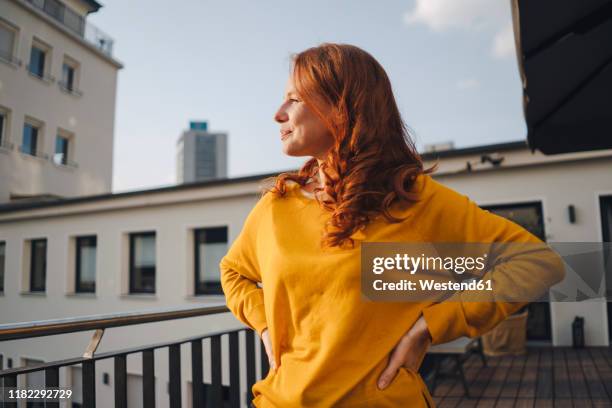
(545, 376)
(214, 394)
(75, 23)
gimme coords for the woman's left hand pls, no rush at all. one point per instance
(409, 352)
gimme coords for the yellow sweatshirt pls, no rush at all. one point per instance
(330, 345)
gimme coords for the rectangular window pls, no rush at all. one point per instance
(37, 61)
(210, 247)
(38, 265)
(530, 216)
(61, 150)
(2, 261)
(142, 262)
(68, 77)
(30, 139)
(86, 248)
(7, 42)
(2, 128)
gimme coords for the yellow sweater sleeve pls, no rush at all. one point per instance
(240, 274)
(461, 220)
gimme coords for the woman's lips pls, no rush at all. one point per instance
(285, 135)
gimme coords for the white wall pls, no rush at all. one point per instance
(556, 185)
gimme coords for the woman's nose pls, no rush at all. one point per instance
(281, 116)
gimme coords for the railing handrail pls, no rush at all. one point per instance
(22, 330)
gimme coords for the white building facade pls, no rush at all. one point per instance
(58, 82)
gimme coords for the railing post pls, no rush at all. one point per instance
(120, 382)
(250, 362)
(215, 370)
(234, 370)
(148, 377)
(196, 374)
(265, 364)
(174, 372)
(89, 384)
(10, 381)
(52, 380)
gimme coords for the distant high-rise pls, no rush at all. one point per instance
(201, 155)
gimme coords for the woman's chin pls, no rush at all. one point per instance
(292, 151)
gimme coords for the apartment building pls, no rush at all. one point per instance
(161, 247)
(58, 81)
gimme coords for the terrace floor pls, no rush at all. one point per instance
(544, 377)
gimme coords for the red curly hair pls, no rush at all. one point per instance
(373, 162)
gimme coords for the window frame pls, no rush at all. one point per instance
(32, 265)
(40, 127)
(2, 268)
(201, 287)
(46, 50)
(73, 88)
(78, 241)
(64, 159)
(5, 129)
(12, 58)
(131, 268)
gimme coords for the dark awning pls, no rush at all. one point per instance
(564, 50)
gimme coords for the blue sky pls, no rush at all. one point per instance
(451, 64)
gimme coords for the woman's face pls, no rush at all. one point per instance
(302, 132)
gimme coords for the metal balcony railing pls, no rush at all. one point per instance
(75, 23)
(203, 395)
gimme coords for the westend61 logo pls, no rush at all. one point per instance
(409, 272)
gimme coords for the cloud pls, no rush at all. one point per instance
(503, 43)
(489, 15)
(467, 83)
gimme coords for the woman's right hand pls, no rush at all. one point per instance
(265, 337)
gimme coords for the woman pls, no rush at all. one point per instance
(364, 182)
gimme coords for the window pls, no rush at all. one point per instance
(86, 248)
(37, 61)
(210, 247)
(605, 204)
(530, 216)
(3, 128)
(70, 75)
(38, 264)
(30, 138)
(142, 262)
(2, 261)
(61, 150)
(7, 42)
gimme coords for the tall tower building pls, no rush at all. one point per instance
(201, 155)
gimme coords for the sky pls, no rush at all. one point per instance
(451, 63)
